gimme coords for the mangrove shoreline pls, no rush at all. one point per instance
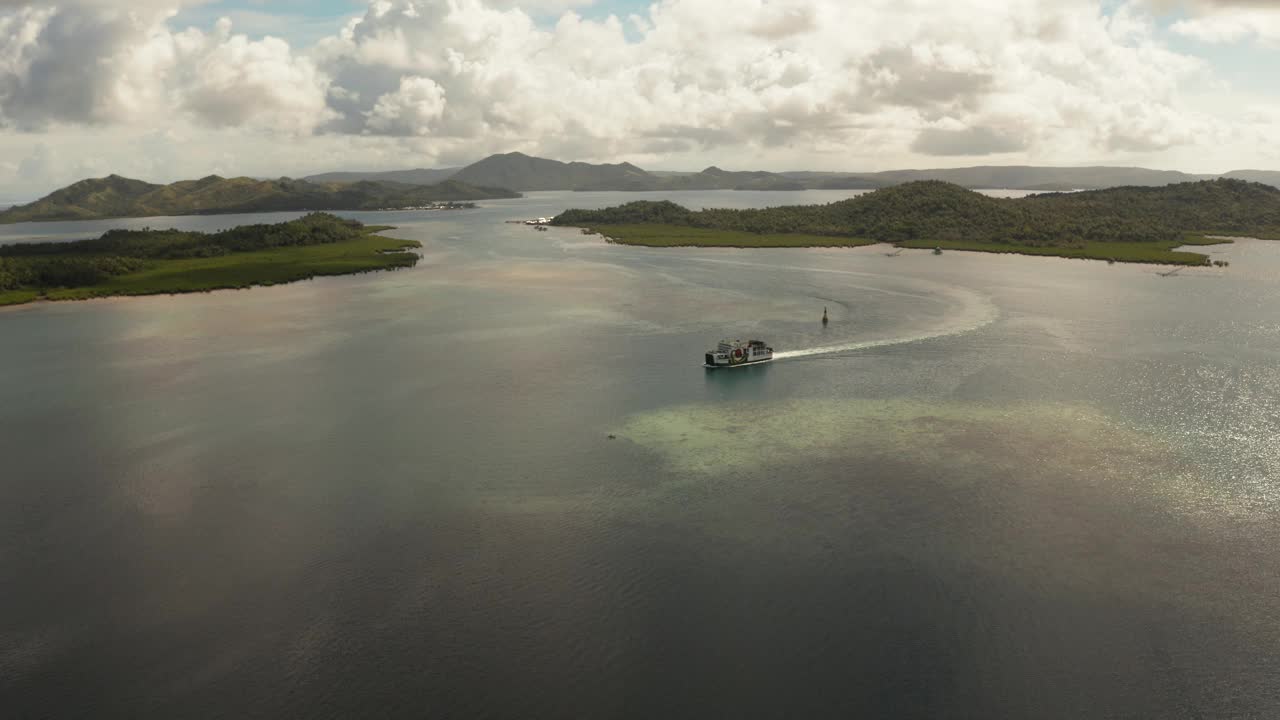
(1132, 224)
(169, 262)
(668, 236)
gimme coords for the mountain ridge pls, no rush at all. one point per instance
(525, 172)
(115, 196)
(522, 172)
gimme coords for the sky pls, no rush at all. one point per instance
(164, 90)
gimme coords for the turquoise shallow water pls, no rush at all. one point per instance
(991, 487)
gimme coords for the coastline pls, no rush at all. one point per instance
(240, 271)
(656, 235)
(671, 236)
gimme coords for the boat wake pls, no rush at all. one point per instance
(977, 312)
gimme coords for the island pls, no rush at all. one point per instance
(1124, 224)
(119, 197)
(151, 262)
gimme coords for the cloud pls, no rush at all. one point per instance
(781, 21)
(94, 63)
(906, 77)
(37, 164)
(1208, 5)
(412, 110)
(755, 73)
(550, 7)
(972, 141)
(229, 80)
(1233, 25)
(776, 83)
(1223, 21)
(58, 65)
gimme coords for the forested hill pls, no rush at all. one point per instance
(116, 196)
(522, 172)
(1266, 177)
(149, 262)
(1021, 177)
(935, 211)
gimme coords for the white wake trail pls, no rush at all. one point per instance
(978, 313)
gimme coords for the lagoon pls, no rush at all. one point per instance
(993, 486)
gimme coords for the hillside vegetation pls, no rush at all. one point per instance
(656, 235)
(143, 262)
(115, 196)
(1106, 224)
(523, 172)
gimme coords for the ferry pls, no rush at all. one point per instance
(736, 353)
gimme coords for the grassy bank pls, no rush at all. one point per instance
(1160, 253)
(653, 235)
(1126, 224)
(656, 235)
(365, 253)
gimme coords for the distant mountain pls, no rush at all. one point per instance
(519, 172)
(522, 172)
(420, 176)
(116, 196)
(1014, 177)
(1266, 177)
(713, 178)
(847, 182)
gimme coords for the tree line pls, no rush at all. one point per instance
(935, 210)
(118, 252)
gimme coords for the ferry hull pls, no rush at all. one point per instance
(744, 363)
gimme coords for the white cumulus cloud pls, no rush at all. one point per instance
(100, 64)
(1016, 75)
(411, 110)
(771, 83)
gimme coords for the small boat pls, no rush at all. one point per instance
(824, 316)
(736, 353)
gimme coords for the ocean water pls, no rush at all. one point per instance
(500, 484)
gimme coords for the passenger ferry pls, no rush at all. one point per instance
(735, 353)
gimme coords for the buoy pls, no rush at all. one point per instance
(824, 315)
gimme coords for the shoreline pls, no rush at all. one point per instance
(303, 212)
(1142, 253)
(281, 265)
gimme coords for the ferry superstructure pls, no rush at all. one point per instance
(736, 353)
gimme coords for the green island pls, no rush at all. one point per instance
(154, 262)
(1125, 224)
(118, 197)
(661, 235)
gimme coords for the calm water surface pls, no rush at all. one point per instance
(997, 487)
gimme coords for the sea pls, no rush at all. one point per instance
(501, 484)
